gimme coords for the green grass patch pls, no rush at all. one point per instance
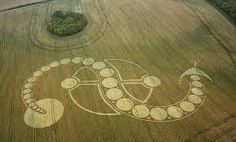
(65, 23)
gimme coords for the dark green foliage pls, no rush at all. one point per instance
(227, 6)
(66, 23)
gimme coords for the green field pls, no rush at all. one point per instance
(136, 39)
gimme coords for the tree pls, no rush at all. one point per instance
(66, 23)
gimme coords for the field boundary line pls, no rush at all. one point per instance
(25, 5)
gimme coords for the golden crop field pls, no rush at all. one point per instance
(140, 71)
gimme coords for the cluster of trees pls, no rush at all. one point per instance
(227, 6)
(64, 23)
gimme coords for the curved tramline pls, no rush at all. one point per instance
(46, 37)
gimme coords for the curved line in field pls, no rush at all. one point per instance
(42, 45)
(25, 5)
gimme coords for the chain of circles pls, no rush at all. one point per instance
(114, 95)
(27, 90)
(125, 104)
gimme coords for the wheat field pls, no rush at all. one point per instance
(161, 38)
